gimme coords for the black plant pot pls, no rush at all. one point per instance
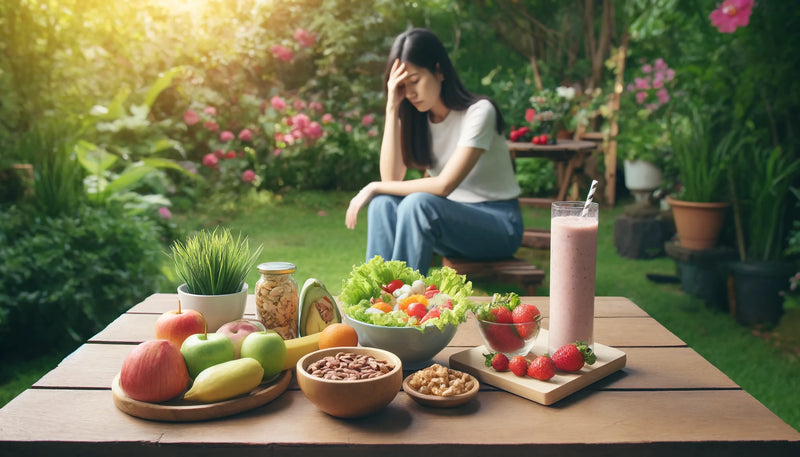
(757, 287)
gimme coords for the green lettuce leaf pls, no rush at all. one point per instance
(365, 281)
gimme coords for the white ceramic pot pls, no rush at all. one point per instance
(641, 178)
(217, 309)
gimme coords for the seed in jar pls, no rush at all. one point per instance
(347, 366)
(441, 381)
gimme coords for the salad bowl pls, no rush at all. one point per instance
(395, 308)
(414, 346)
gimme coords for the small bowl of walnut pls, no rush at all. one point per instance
(440, 387)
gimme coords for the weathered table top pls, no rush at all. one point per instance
(668, 400)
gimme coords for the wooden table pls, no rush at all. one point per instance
(568, 155)
(667, 401)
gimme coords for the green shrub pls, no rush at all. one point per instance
(536, 177)
(64, 278)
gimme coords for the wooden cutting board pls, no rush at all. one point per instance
(561, 385)
(180, 410)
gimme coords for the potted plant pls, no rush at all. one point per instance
(643, 139)
(761, 181)
(700, 151)
(213, 265)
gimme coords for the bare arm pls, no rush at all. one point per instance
(391, 160)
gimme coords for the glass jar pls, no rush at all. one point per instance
(277, 298)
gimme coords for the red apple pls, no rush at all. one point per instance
(178, 324)
(154, 371)
(237, 330)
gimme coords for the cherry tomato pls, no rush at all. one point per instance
(393, 285)
(417, 310)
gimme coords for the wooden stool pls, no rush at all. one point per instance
(512, 270)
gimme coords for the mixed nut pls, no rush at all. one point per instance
(441, 381)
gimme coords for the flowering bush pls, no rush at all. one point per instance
(644, 112)
(544, 116)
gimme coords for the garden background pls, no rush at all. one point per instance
(127, 125)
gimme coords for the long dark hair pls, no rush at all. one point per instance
(423, 48)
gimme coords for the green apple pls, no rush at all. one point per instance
(268, 348)
(203, 350)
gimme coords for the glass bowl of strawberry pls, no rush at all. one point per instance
(508, 326)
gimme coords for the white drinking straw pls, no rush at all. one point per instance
(593, 188)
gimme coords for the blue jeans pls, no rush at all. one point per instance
(411, 228)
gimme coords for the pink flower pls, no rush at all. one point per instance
(646, 68)
(315, 106)
(631, 87)
(304, 38)
(327, 118)
(642, 83)
(367, 120)
(731, 14)
(530, 114)
(210, 160)
(313, 131)
(658, 83)
(348, 128)
(165, 212)
(282, 53)
(246, 135)
(660, 64)
(190, 117)
(641, 97)
(277, 103)
(248, 176)
(211, 126)
(219, 153)
(226, 136)
(288, 138)
(276, 152)
(663, 96)
(230, 155)
(210, 110)
(299, 104)
(372, 132)
(669, 75)
(300, 121)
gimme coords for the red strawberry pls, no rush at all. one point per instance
(498, 361)
(503, 338)
(542, 368)
(502, 315)
(526, 317)
(572, 356)
(518, 365)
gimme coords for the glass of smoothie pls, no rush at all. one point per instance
(573, 257)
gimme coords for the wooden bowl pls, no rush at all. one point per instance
(437, 401)
(348, 399)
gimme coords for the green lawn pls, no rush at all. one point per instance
(308, 230)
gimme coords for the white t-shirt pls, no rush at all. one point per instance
(492, 178)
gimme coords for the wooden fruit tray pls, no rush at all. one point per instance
(180, 410)
(609, 360)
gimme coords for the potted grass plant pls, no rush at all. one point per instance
(761, 182)
(701, 151)
(213, 265)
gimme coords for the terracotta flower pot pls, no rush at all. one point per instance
(698, 224)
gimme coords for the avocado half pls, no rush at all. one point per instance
(317, 308)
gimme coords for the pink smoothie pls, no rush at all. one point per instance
(573, 255)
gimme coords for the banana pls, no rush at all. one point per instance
(226, 380)
(296, 348)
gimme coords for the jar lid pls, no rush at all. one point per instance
(277, 268)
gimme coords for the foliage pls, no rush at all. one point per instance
(760, 181)
(65, 277)
(213, 262)
(536, 177)
(702, 149)
(644, 113)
